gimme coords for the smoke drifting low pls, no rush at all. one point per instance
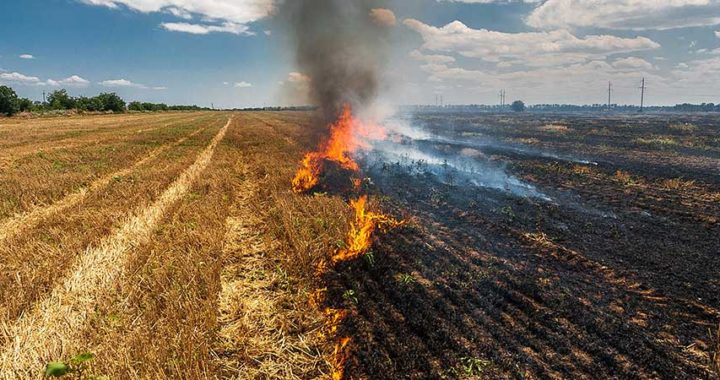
(340, 45)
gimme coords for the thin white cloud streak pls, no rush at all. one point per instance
(226, 27)
(124, 83)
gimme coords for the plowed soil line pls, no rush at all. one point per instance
(49, 330)
(15, 225)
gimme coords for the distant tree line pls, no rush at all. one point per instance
(277, 108)
(145, 106)
(11, 104)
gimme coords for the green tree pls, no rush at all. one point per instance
(8, 101)
(60, 100)
(111, 102)
(518, 106)
(89, 104)
(25, 105)
(136, 106)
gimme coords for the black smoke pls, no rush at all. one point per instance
(340, 47)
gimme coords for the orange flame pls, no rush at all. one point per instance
(359, 237)
(347, 135)
(340, 356)
(334, 319)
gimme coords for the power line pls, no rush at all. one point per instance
(642, 95)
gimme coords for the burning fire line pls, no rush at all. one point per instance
(347, 135)
(359, 237)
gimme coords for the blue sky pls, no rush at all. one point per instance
(233, 52)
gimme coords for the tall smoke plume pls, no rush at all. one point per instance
(340, 45)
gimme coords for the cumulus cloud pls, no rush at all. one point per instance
(27, 56)
(19, 78)
(383, 17)
(229, 16)
(72, 81)
(28, 80)
(625, 14)
(527, 48)
(242, 84)
(697, 76)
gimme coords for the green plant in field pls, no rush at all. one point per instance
(77, 368)
(405, 279)
(350, 296)
(471, 367)
(508, 211)
(369, 257)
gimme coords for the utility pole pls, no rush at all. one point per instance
(609, 95)
(502, 99)
(43, 97)
(442, 103)
(642, 95)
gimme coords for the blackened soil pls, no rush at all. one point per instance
(617, 277)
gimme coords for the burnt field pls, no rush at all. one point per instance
(540, 246)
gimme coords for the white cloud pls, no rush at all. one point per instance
(120, 83)
(717, 34)
(226, 27)
(632, 63)
(124, 83)
(229, 16)
(625, 14)
(242, 84)
(180, 13)
(491, 1)
(697, 76)
(72, 81)
(27, 56)
(16, 77)
(22, 79)
(431, 58)
(295, 77)
(527, 48)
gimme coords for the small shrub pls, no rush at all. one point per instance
(77, 367)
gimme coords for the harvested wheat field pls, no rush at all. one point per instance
(202, 245)
(146, 241)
